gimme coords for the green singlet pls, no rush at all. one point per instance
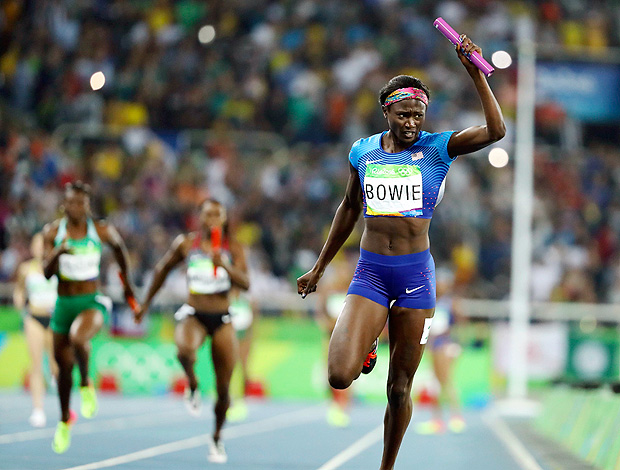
(83, 264)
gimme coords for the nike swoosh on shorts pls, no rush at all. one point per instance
(409, 291)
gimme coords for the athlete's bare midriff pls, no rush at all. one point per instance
(71, 288)
(209, 303)
(395, 235)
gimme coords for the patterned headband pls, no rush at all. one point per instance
(406, 94)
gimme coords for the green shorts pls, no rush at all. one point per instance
(69, 307)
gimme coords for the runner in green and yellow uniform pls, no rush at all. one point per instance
(73, 246)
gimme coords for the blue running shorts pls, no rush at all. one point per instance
(406, 280)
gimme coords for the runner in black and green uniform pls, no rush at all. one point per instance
(73, 246)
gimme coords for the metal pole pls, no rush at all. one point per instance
(522, 211)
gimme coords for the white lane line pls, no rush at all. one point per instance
(96, 426)
(354, 449)
(516, 448)
(146, 453)
(282, 421)
(26, 435)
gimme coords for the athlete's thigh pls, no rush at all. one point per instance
(86, 325)
(48, 341)
(408, 330)
(49, 348)
(35, 337)
(358, 325)
(189, 334)
(224, 351)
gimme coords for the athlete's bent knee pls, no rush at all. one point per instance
(398, 395)
(223, 391)
(78, 341)
(223, 399)
(64, 358)
(339, 380)
(65, 367)
(185, 354)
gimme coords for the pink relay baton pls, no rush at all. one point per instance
(454, 37)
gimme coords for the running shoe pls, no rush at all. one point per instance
(89, 406)
(457, 424)
(62, 438)
(193, 401)
(237, 412)
(371, 359)
(434, 426)
(37, 418)
(217, 453)
(337, 417)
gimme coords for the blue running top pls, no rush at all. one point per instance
(403, 184)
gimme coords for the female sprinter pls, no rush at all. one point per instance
(36, 296)
(211, 272)
(395, 179)
(73, 247)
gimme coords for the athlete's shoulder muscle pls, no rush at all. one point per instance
(363, 146)
(439, 140)
(102, 227)
(50, 230)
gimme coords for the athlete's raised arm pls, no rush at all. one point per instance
(478, 137)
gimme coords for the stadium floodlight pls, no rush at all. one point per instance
(97, 80)
(501, 59)
(498, 157)
(206, 34)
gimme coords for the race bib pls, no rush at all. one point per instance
(202, 279)
(42, 292)
(393, 189)
(427, 329)
(79, 267)
(441, 320)
(82, 263)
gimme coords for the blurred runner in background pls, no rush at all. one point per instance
(215, 263)
(36, 296)
(73, 247)
(444, 349)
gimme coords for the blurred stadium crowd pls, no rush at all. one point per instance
(303, 76)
